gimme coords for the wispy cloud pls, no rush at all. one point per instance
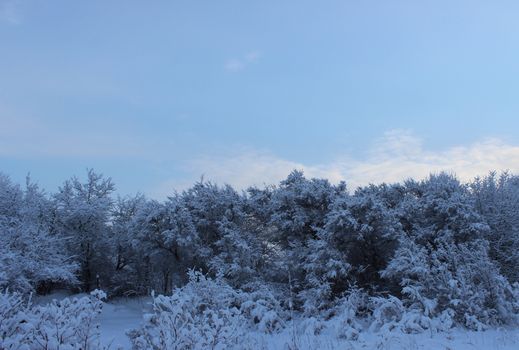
(234, 65)
(239, 64)
(252, 56)
(9, 12)
(398, 155)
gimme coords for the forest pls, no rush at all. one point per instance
(416, 256)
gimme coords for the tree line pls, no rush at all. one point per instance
(438, 245)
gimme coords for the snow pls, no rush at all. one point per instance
(119, 316)
(58, 294)
(498, 339)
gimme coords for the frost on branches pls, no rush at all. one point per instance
(68, 324)
(204, 314)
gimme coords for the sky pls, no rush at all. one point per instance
(157, 94)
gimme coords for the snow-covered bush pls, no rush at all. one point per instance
(15, 325)
(262, 309)
(359, 312)
(387, 313)
(68, 324)
(204, 314)
(350, 311)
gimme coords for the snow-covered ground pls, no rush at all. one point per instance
(120, 315)
(117, 316)
(454, 340)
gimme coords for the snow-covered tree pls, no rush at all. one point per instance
(497, 200)
(297, 210)
(83, 211)
(127, 277)
(167, 241)
(442, 262)
(229, 235)
(357, 241)
(31, 257)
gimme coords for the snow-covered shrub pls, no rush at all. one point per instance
(387, 313)
(515, 292)
(68, 324)
(346, 319)
(203, 314)
(15, 326)
(471, 291)
(262, 308)
(390, 314)
(311, 326)
(349, 313)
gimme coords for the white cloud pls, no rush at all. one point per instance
(395, 157)
(252, 56)
(239, 64)
(400, 155)
(254, 168)
(234, 65)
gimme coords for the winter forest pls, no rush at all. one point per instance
(304, 263)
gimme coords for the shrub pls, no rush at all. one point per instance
(204, 314)
(68, 324)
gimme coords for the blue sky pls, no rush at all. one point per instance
(157, 93)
